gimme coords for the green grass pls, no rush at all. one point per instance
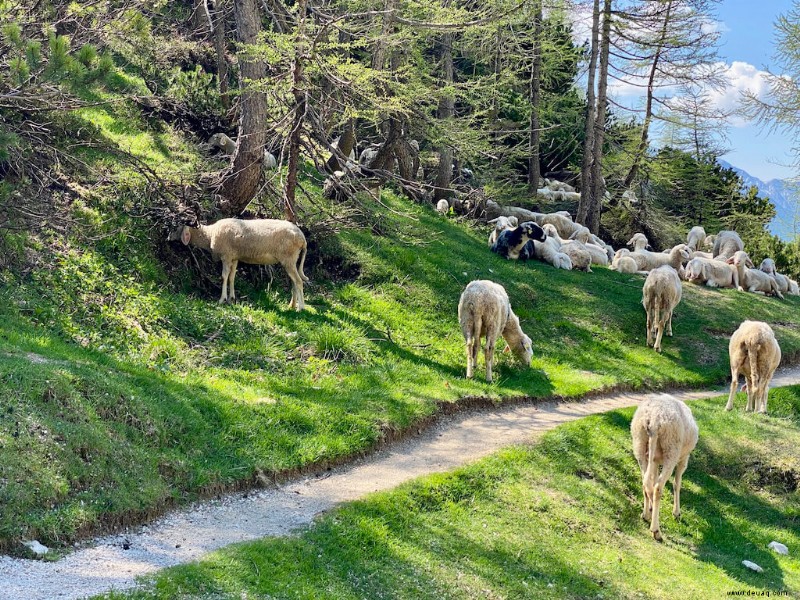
(557, 519)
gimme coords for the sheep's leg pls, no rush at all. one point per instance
(231, 277)
(641, 451)
(734, 384)
(226, 271)
(676, 487)
(470, 343)
(658, 492)
(669, 324)
(660, 318)
(489, 357)
(649, 326)
(752, 392)
(297, 302)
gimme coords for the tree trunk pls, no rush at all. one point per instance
(598, 184)
(219, 47)
(535, 99)
(201, 20)
(300, 102)
(445, 112)
(240, 182)
(648, 111)
(588, 144)
(347, 142)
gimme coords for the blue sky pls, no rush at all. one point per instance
(748, 38)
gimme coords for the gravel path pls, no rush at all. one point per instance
(187, 535)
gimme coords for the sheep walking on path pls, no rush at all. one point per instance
(664, 433)
(755, 353)
(257, 242)
(484, 310)
(661, 294)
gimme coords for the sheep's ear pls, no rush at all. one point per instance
(514, 221)
(730, 261)
(749, 263)
(507, 349)
(186, 236)
(493, 221)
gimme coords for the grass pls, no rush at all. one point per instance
(557, 519)
(127, 389)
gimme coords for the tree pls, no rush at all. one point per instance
(535, 99)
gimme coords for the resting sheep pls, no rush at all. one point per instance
(484, 310)
(755, 353)
(751, 279)
(511, 243)
(500, 224)
(647, 261)
(664, 433)
(784, 283)
(549, 251)
(638, 242)
(257, 242)
(228, 146)
(695, 238)
(578, 254)
(661, 294)
(726, 244)
(713, 273)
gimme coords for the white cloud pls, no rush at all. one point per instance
(740, 77)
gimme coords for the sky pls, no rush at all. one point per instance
(747, 49)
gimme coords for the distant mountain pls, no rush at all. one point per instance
(781, 194)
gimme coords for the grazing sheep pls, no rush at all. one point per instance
(664, 433)
(638, 242)
(257, 242)
(727, 244)
(751, 279)
(661, 294)
(549, 251)
(485, 311)
(713, 273)
(443, 206)
(228, 146)
(695, 238)
(755, 353)
(708, 243)
(647, 261)
(511, 242)
(500, 224)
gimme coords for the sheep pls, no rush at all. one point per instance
(638, 242)
(768, 266)
(500, 224)
(713, 273)
(484, 310)
(755, 353)
(708, 243)
(368, 155)
(228, 146)
(558, 186)
(701, 254)
(664, 433)
(625, 264)
(443, 206)
(601, 255)
(695, 238)
(726, 244)
(661, 294)
(578, 254)
(549, 251)
(751, 279)
(257, 242)
(794, 290)
(511, 243)
(647, 261)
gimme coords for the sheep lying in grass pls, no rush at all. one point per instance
(695, 238)
(755, 353)
(661, 293)
(712, 273)
(501, 224)
(664, 433)
(228, 146)
(794, 289)
(512, 243)
(443, 206)
(753, 280)
(638, 242)
(484, 310)
(623, 263)
(726, 244)
(647, 261)
(578, 254)
(257, 242)
(784, 283)
(600, 256)
(549, 251)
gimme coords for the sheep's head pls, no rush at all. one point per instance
(768, 266)
(550, 230)
(533, 231)
(741, 258)
(582, 235)
(182, 233)
(684, 251)
(708, 243)
(694, 270)
(638, 241)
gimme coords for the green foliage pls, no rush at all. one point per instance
(197, 89)
(87, 55)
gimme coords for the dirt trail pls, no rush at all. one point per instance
(187, 535)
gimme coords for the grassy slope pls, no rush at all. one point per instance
(152, 393)
(557, 519)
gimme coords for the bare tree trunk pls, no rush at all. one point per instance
(445, 112)
(347, 142)
(219, 47)
(535, 99)
(240, 182)
(588, 144)
(300, 102)
(648, 111)
(598, 184)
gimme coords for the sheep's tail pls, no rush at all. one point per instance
(302, 262)
(652, 442)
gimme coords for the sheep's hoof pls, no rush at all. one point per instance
(677, 515)
(657, 536)
(645, 517)
(658, 349)
(728, 408)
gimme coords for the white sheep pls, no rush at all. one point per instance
(661, 293)
(695, 238)
(647, 261)
(751, 279)
(578, 254)
(713, 273)
(599, 252)
(549, 251)
(784, 283)
(664, 433)
(484, 310)
(768, 266)
(558, 186)
(228, 146)
(726, 244)
(755, 353)
(794, 289)
(625, 264)
(638, 242)
(256, 242)
(500, 225)
(443, 206)
(708, 243)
